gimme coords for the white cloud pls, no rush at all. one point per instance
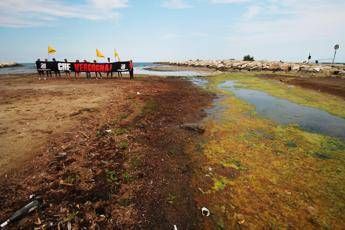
(106, 4)
(290, 26)
(24, 13)
(228, 1)
(175, 4)
(252, 11)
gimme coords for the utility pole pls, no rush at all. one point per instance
(336, 47)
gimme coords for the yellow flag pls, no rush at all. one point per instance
(51, 50)
(99, 54)
(116, 54)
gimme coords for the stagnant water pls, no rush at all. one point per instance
(287, 112)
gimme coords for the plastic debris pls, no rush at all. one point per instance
(205, 211)
(34, 204)
(175, 227)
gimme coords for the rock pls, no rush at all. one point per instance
(8, 64)
(231, 64)
(193, 127)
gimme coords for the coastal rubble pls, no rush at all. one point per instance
(275, 66)
(8, 64)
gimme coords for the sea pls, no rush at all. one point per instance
(139, 68)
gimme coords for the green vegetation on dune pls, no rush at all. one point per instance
(266, 175)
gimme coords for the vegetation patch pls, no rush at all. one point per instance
(285, 172)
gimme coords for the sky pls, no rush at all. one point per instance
(166, 30)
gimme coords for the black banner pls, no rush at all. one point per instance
(86, 67)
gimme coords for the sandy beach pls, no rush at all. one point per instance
(151, 152)
(58, 134)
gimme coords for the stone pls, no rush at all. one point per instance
(193, 127)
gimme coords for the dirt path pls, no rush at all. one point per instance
(119, 164)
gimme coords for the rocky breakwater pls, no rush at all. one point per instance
(8, 64)
(274, 66)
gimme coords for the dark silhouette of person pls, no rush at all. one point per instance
(48, 68)
(100, 75)
(55, 68)
(38, 67)
(131, 69)
(76, 72)
(67, 72)
(88, 74)
(111, 71)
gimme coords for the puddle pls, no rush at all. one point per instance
(286, 112)
(201, 82)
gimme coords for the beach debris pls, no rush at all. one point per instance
(69, 225)
(205, 211)
(30, 207)
(61, 155)
(193, 127)
(240, 218)
(38, 221)
(138, 93)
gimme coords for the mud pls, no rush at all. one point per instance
(118, 164)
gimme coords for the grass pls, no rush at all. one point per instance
(120, 131)
(123, 144)
(284, 171)
(111, 176)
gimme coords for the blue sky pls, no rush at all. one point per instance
(153, 30)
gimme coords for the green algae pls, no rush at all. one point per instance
(329, 103)
(288, 177)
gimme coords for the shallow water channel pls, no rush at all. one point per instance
(287, 112)
(283, 111)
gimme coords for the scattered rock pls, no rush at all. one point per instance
(225, 65)
(193, 127)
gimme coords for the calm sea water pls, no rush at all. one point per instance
(139, 68)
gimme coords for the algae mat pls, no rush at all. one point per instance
(256, 173)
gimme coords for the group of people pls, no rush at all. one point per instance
(52, 67)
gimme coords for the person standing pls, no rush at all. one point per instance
(67, 72)
(88, 74)
(100, 75)
(76, 72)
(111, 71)
(39, 70)
(48, 68)
(131, 70)
(55, 68)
